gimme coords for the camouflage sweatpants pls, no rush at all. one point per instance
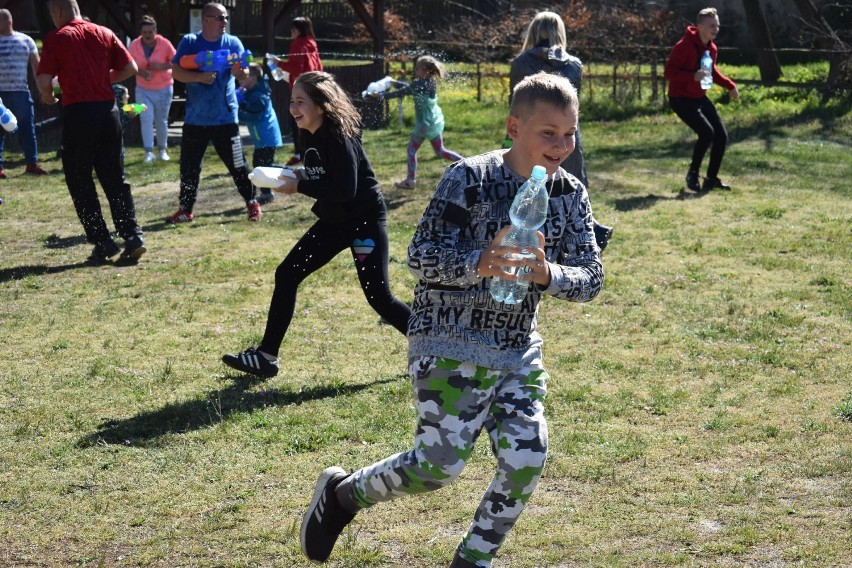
(453, 401)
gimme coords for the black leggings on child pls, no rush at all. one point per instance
(262, 157)
(367, 239)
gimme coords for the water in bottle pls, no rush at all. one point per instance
(528, 213)
(277, 73)
(7, 119)
(707, 65)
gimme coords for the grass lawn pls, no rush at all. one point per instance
(702, 417)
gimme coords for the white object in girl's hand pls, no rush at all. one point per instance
(268, 177)
(379, 86)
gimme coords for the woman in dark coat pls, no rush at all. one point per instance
(544, 49)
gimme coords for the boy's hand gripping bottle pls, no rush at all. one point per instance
(528, 213)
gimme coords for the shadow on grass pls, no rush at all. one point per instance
(396, 200)
(215, 407)
(768, 129)
(650, 200)
(235, 215)
(21, 272)
(56, 242)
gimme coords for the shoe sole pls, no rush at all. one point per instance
(98, 260)
(237, 365)
(326, 476)
(135, 254)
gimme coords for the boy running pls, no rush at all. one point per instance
(476, 363)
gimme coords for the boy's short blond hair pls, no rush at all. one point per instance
(706, 13)
(544, 87)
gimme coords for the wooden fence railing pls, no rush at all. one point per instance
(623, 82)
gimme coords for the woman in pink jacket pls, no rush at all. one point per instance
(303, 56)
(154, 85)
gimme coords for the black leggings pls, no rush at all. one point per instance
(262, 157)
(368, 241)
(228, 145)
(701, 116)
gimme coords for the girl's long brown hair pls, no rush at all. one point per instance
(336, 106)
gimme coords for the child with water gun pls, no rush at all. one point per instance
(126, 111)
(428, 118)
(257, 113)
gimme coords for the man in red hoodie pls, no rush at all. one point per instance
(689, 100)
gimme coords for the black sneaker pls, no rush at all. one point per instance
(714, 183)
(253, 362)
(692, 181)
(134, 248)
(265, 196)
(325, 518)
(602, 234)
(103, 251)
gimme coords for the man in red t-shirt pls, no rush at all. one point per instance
(87, 59)
(689, 101)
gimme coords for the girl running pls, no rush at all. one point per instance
(351, 214)
(428, 118)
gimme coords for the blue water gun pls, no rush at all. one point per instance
(220, 60)
(242, 59)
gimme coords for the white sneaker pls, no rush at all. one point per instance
(149, 158)
(164, 156)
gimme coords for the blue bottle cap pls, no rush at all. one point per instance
(539, 173)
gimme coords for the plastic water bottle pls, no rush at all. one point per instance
(7, 119)
(528, 213)
(707, 65)
(277, 73)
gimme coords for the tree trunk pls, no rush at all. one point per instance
(840, 66)
(767, 60)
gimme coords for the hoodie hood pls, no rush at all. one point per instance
(691, 36)
(550, 59)
(554, 57)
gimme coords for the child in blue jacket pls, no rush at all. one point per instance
(257, 113)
